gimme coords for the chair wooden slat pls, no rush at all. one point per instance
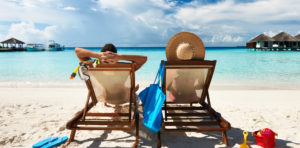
(195, 130)
(190, 123)
(108, 114)
(103, 123)
(106, 128)
(185, 108)
(187, 114)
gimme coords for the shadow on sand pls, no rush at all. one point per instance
(174, 140)
(181, 139)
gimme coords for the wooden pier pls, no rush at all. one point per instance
(12, 49)
(12, 44)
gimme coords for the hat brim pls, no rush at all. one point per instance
(185, 37)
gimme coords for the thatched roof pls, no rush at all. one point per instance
(262, 38)
(298, 37)
(283, 36)
(12, 41)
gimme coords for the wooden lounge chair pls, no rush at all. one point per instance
(103, 78)
(187, 107)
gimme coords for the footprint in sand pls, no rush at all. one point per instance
(45, 128)
(26, 112)
(61, 128)
(40, 123)
(44, 106)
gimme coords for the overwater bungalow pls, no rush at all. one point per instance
(12, 44)
(298, 38)
(260, 42)
(281, 41)
(284, 41)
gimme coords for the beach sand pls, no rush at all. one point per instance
(30, 114)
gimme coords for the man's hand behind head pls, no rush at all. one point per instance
(109, 57)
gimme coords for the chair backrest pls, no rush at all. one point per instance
(187, 81)
(112, 83)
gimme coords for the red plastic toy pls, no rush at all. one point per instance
(265, 138)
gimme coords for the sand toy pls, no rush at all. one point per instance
(265, 138)
(244, 145)
(44, 142)
(57, 142)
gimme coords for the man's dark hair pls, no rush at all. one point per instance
(109, 47)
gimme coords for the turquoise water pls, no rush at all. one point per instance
(233, 65)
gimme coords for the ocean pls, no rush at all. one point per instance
(234, 65)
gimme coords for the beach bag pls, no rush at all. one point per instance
(152, 99)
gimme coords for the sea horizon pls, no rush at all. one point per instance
(151, 47)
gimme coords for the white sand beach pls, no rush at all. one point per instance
(30, 114)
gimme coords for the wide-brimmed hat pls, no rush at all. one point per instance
(185, 46)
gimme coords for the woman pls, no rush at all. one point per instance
(183, 84)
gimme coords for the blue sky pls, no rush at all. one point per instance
(145, 22)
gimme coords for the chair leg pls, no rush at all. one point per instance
(158, 140)
(136, 143)
(225, 140)
(72, 135)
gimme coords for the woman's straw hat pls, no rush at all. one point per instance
(185, 46)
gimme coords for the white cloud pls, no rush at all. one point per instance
(34, 3)
(134, 7)
(2, 27)
(253, 12)
(163, 4)
(223, 22)
(29, 33)
(225, 38)
(270, 33)
(94, 9)
(38, 11)
(70, 8)
(2, 38)
(152, 22)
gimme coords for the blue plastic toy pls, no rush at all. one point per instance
(56, 142)
(43, 142)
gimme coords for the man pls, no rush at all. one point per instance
(108, 55)
(115, 91)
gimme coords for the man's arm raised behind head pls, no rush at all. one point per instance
(84, 54)
(140, 60)
(109, 57)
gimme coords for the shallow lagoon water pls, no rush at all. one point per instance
(234, 65)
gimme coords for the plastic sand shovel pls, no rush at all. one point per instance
(43, 142)
(244, 145)
(56, 142)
